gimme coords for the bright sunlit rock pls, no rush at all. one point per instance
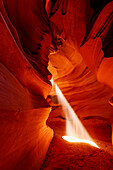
(52, 82)
(74, 139)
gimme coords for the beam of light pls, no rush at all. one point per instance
(75, 131)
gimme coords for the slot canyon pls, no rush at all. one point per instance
(56, 84)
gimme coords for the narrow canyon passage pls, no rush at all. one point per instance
(71, 42)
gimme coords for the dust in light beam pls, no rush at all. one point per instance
(75, 131)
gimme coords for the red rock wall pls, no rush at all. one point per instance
(81, 60)
(24, 135)
(32, 24)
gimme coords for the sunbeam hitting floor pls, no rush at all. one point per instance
(75, 131)
(66, 155)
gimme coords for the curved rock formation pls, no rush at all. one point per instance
(24, 135)
(77, 81)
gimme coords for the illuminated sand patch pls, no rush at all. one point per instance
(74, 139)
(75, 131)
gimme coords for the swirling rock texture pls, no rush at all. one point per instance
(84, 60)
(76, 38)
(82, 68)
(24, 135)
